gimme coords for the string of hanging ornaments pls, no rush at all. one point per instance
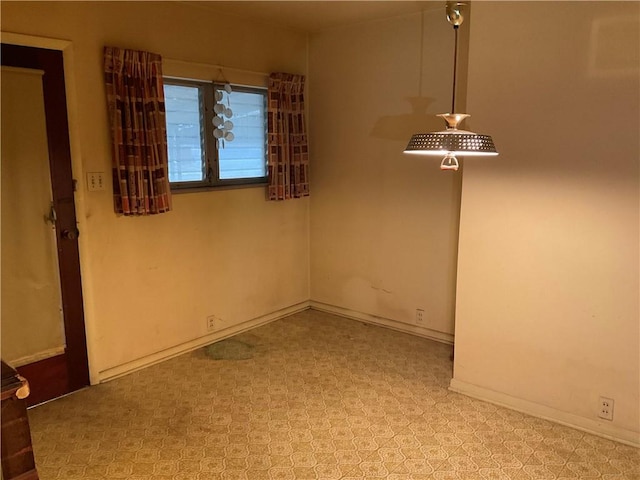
(452, 142)
(223, 113)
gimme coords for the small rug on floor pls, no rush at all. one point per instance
(230, 349)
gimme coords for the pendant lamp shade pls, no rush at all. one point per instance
(452, 142)
(448, 142)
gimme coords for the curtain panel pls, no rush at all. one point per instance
(135, 98)
(288, 152)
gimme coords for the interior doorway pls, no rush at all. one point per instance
(43, 331)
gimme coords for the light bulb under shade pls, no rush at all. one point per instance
(452, 142)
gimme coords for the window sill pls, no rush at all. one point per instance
(213, 188)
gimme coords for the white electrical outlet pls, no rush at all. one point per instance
(606, 408)
(212, 323)
(95, 181)
(420, 320)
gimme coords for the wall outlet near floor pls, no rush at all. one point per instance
(606, 408)
(420, 318)
(212, 323)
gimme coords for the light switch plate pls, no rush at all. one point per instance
(95, 181)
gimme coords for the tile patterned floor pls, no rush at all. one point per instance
(321, 398)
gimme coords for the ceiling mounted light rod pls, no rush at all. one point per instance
(455, 61)
(452, 142)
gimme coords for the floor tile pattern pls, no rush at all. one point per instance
(320, 397)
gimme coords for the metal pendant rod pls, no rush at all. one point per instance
(455, 69)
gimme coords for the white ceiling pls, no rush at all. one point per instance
(314, 16)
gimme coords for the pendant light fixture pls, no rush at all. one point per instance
(452, 142)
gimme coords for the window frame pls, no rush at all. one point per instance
(211, 159)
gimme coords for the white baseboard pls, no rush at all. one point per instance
(384, 322)
(36, 357)
(152, 359)
(588, 425)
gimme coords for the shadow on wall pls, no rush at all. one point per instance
(402, 127)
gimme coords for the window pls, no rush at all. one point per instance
(215, 137)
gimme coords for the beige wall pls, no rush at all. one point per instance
(383, 224)
(151, 282)
(547, 313)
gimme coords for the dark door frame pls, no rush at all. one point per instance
(69, 371)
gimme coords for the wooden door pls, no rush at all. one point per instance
(64, 367)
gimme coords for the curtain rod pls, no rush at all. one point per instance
(221, 67)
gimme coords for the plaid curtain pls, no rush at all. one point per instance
(288, 157)
(135, 97)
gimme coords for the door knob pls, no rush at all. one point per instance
(72, 234)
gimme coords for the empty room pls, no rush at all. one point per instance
(320, 240)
